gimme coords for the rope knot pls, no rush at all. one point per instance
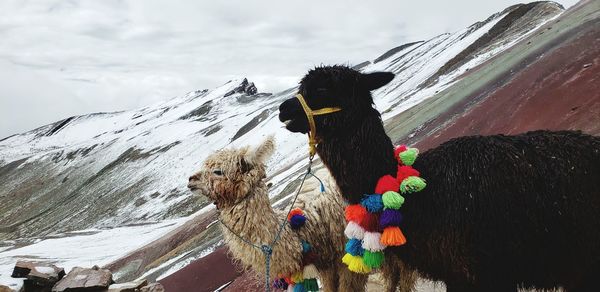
(267, 250)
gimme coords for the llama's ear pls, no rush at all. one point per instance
(262, 152)
(372, 81)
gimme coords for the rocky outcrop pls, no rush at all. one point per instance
(245, 87)
(38, 276)
(81, 279)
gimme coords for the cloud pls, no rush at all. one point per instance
(117, 54)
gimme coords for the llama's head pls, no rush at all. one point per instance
(229, 175)
(333, 86)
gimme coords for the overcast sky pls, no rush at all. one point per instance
(67, 57)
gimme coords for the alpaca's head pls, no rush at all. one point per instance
(333, 86)
(229, 175)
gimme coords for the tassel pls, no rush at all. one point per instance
(311, 285)
(392, 236)
(372, 203)
(392, 200)
(412, 184)
(370, 222)
(299, 287)
(356, 264)
(353, 230)
(355, 213)
(405, 171)
(373, 259)
(280, 284)
(372, 242)
(309, 258)
(347, 258)
(305, 246)
(291, 288)
(297, 277)
(297, 221)
(310, 272)
(399, 150)
(409, 156)
(386, 183)
(295, 211)
(390, 217)
(354, 247)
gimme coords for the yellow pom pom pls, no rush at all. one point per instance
(356, 264)
(346, 259)
(297, 277)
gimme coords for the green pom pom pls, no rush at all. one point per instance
(373, 259)
(412, 184)
(392, 200)
(409, 156)
(310, 285)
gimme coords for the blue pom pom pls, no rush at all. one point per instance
(373, 203)
(299, 287)
(305, 247)
(297, 221)
(354, 247)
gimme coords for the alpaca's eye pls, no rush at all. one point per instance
(218, 172)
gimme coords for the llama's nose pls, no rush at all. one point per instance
(193, 178)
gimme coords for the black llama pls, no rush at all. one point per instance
(499, 212)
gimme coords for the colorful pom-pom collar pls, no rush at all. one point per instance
(374, 224)
(306, 278)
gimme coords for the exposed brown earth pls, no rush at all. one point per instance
(558, 90)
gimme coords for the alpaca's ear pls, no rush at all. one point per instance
(262, 152)
(372, 81)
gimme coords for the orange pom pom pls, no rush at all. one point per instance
(392, 236)
(405, 171)
(387, 183)
(356, 213)
(295, 211)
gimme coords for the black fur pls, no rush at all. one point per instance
(499, 212)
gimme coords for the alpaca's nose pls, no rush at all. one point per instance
(192, 178)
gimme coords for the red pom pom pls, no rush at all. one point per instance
(356, 213)
(397, 151)
(406, 171)
(370, 222)
(295, 211)
(387, 183)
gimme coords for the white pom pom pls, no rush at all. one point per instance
(290, 288)
(372, 241)
(353, 230)
(310, 272)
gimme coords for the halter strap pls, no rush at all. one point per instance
(312, 134)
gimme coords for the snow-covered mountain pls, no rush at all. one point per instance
(108, 170)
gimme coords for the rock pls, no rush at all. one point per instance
(5, 289)
(80, 279)
(132, 286)
(37, 269)
(154, 287)
(40, 276)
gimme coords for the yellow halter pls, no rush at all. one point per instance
(312, 134)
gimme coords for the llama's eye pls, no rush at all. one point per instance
(218, 172)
